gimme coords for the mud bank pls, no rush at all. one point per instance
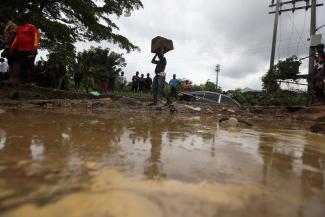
(37, 98)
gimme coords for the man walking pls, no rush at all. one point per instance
(158, 85)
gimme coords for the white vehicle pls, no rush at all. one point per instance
(208, 97)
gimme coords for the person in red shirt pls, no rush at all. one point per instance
(319, 73)
(25, 48)
(187, 86)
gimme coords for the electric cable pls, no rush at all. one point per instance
(291, 33)
(295, 27)
(302, 32)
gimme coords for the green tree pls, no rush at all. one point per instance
(64, 22)
(104, 62)
(207, 86)
(284, 69)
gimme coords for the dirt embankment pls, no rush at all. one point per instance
(31, 97)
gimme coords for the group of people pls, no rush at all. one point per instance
(20, 43)
(108, 83)
(46, 74)
(141, 84)
(145, 85)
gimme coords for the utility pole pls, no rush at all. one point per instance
(311, 50)
(217, 71)
(275, 32)
(309, 4)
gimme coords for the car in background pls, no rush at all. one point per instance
(207, 97)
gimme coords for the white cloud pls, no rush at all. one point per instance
(236, 34)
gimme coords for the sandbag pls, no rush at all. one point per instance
(160, 43)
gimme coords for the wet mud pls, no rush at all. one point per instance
(157, 164)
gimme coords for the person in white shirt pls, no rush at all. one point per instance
(122, 81)
(4, 68)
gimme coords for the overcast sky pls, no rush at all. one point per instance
(236, 34)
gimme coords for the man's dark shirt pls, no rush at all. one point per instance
(135, 78)
(148, 82)
(161, 65)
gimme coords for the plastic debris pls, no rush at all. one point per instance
(94, 93)
(197, 109)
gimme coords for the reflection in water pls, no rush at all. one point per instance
(3, 139)
(157, 165)
(37, 149)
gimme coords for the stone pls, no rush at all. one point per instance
(13, 94)
(318, 126)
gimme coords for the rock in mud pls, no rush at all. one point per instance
(318, 126)
(229, 122)
(234, 122)
(13, 94)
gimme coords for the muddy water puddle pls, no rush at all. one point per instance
(142, 164)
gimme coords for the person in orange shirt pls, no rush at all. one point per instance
(25, 48)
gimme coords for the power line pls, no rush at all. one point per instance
(302, 32)
(295, 28)
(291, 33)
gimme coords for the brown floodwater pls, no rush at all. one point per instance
(152, 165)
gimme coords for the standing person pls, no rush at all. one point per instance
(173, 86)
(39, 75)
(111, 81)
(135, 82)
(187, 86)
(50, 70)
(77, 77)
(89, 79)
(142, 83)
(61, 71)
(148, 83)
(4, 67)
(25, 47)
(9, 34)
(104, 83)
(158, 85)
(319, 73)
(122, 81)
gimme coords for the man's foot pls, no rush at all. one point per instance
(172, 108)
(168, 103)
